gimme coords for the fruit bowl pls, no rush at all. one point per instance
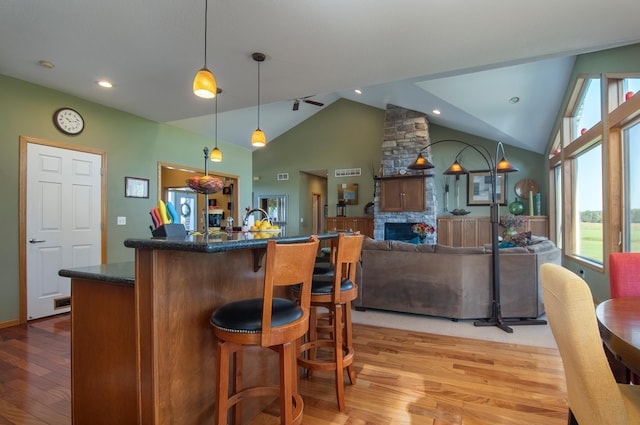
(205, 184)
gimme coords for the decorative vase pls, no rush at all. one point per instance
(509, 231)
(516, 207)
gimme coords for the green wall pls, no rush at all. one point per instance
(133, 147)
(344, 134)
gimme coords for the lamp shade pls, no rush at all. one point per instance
(456, 169)
(216, 155)
(204, 84)
(258, 139)
(505, 166)
(421, 163)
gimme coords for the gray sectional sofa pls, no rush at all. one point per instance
(451, 282)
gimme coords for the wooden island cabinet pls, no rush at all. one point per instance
(472, 231)
(142, 348)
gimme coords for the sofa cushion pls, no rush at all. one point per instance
(521, 239)
(446, 249)
(373, 244)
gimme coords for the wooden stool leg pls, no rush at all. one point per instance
(238, 365)
(348, 340)
(223, 384)
(287, 366)
(337, 332)
(312, 336)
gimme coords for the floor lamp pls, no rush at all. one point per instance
(495, 166)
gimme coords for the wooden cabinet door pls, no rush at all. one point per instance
(391, 195)
(402, 194)
(539, 225)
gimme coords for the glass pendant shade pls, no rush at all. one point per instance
(216, 155)
(204, 84)
(258, 139)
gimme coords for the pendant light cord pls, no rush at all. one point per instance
(258, 94)
(206, 7)
(216, 121)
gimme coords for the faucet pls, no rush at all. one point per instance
(245, 222)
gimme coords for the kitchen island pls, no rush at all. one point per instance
(142, 348)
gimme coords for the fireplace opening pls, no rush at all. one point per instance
(400, 232)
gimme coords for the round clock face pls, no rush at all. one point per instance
(68, 121)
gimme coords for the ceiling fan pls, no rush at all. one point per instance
(296, 102)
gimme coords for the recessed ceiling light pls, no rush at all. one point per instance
(105, 84)
(436, 111)
(514, 99)
(46, 64)
(358, 91)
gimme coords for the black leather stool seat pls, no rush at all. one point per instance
(245, 316)
(323, 285)
(323, 268)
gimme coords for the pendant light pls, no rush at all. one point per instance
(204, 83)
(258, 139)
(216, 154)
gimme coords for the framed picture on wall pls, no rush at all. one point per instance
(479, 188)
(135, 187)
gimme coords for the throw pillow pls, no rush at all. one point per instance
(521, 239)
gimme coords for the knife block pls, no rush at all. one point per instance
(169, 230)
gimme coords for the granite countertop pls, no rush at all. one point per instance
(219, 242)
(114, 272)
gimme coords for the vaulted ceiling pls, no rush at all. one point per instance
(467, 59)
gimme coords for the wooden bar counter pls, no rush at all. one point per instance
(142, 348)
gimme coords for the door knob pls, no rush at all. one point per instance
(36, 240)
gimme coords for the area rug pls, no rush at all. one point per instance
(535, 335)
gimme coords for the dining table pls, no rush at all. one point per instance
(619, 324)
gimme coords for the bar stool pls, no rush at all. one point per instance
(276, 323)
(334, 293)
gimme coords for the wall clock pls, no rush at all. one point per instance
(68, 121)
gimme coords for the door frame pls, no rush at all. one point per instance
(22, 210)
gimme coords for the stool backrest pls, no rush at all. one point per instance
(624, 274)
(347, 254)
(287, 264)
(594, 397)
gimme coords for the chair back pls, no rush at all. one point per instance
(624, 274)
(287, 265)
(347, 254)
(593, 395)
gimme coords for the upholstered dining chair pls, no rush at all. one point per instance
(594, 397)
(624, 281)
(272, 322)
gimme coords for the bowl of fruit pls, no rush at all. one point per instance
(205, 184)
(264, 226)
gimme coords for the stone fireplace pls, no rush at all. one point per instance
(405, 133)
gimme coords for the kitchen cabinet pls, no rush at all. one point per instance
(402, 193)
(464, 231)
(364, 225)
(476, 231)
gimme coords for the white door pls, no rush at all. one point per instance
(63, 223)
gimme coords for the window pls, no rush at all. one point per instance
(557, 180)
(631, 227)
(587, 111)
(587, 212)
(630, 86)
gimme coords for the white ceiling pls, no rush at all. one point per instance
(465, 58)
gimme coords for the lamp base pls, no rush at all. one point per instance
(504, 323)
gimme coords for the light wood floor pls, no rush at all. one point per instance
(404, 377)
